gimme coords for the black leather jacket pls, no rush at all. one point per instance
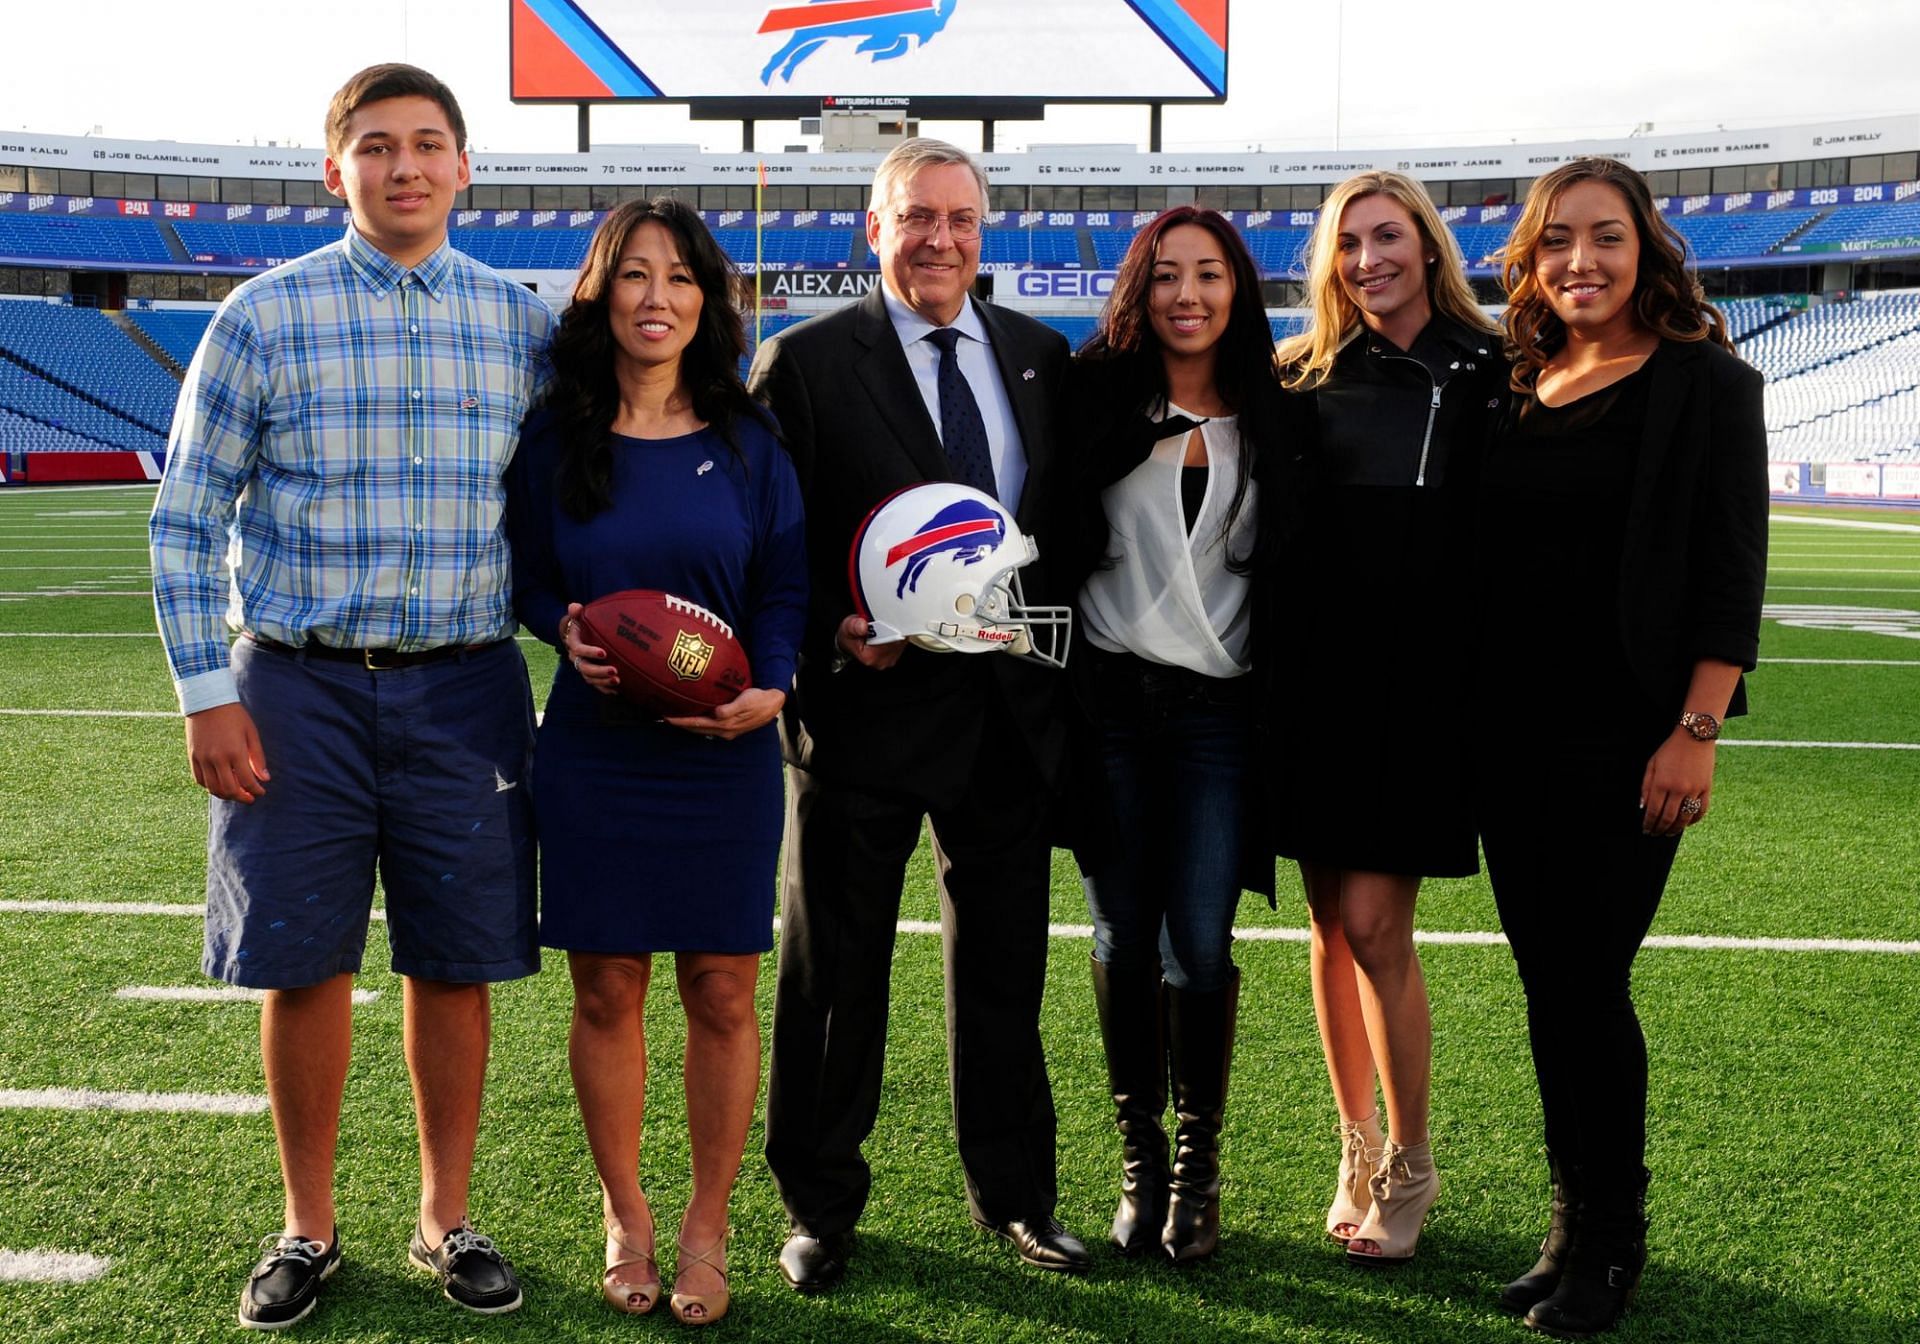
(1391, 418)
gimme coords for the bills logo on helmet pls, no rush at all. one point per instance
(887, 29)
(969, 530)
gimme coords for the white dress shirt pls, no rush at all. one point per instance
(975, 353)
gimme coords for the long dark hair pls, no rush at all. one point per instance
(1243, 372)
(585, 395)
(1667, 299)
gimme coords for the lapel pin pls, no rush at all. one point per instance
(1027, 375)
(704, 468)
(468, 403)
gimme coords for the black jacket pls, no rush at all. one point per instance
(1694, 568)
(856, 425)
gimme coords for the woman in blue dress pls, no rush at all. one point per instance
(649, 467)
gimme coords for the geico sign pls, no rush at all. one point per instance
(1064, 284)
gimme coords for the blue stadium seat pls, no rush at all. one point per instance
(813, 249)
(175, 330)
(81, 348)
(34, 398)
(1870, 226)
(18, 434)
(54, 238)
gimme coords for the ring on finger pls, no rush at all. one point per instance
(1690, 807)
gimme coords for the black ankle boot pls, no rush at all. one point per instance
(1603, 1263)
(1538, 1283)
(1132, 1026)
(1200, 1029)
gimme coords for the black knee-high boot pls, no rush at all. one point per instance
(1200, 1027)
(1538, 1283)
(1604, 1260)
(1132, 1026)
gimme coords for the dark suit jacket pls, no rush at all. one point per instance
(858, 430)
(1694, 567)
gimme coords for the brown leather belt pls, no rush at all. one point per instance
(374, 660)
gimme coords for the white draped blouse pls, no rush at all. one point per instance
(1166, 593)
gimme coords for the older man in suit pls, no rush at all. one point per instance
(915, 383)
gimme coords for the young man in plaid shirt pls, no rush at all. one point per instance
(333, 493)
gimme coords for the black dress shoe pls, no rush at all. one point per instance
(814, 1264)
(1045, 1244)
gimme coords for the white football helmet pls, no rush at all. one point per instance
(938, 565)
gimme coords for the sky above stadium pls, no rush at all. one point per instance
(1302, 76)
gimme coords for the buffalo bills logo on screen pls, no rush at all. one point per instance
(885, 29)
(969, 530)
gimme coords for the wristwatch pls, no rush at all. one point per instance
(1701, 724)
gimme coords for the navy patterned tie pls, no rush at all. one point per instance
(962, 432)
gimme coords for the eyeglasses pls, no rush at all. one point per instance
(922, 223)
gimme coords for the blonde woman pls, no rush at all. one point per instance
(1372, 796)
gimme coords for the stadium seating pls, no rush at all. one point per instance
(814, 249)
(21, 435)
(1037, 247)
(55, 238)
(34, 398)
(175, 330)
(1843, 380)
(1869, 226)
(261, 242)
(1746, 234)
(81, 348)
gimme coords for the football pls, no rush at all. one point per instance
(675, 657)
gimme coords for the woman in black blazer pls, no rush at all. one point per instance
(1623, 532)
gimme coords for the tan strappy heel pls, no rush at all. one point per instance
(702, 1308)
(1361, 1144)
(636, 1297)
(1404, 1187)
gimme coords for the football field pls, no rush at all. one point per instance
(1781, 997)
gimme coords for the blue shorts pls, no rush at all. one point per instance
(420, 772)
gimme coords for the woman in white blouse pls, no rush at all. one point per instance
(1176, 403)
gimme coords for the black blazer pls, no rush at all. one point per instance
(1694, 568)
(858, 430)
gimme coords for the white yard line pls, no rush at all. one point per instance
(93, 713)
(76, 592)
(78, 634)
(1818, 746)
(177, 908)
(1858, 524)
(213, 994)
(1822, 569)
(1847, 662)
(87, 1099)
(1831, 588)
(1260, 935)
(50, 1266)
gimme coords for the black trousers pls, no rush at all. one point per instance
(1577, 886)
(846, 856)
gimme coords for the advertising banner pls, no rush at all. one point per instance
(1900, 480)
(1783, 478)
(1856, 480)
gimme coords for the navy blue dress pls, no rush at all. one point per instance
(652, 838)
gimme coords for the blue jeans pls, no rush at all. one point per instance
(1174, 747)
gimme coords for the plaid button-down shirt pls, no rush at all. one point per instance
(334, 472)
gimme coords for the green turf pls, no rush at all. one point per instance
(1783, 1083)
